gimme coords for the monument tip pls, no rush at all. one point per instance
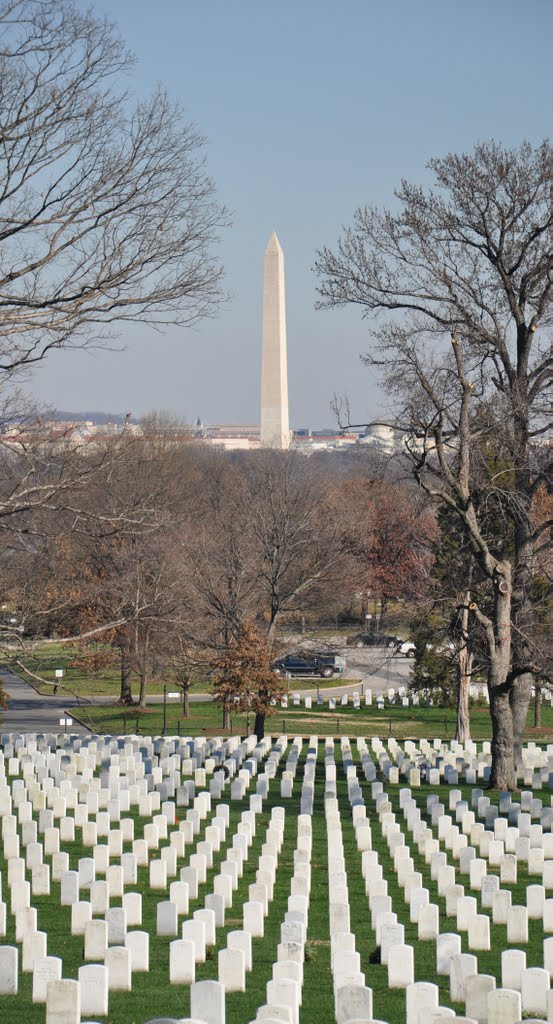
(273, 245)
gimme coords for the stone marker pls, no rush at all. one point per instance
(517, 925)
(63, 1002)
(132, 905)
(479, 932)
(254, 918)
(287, 993)
(418, 997)
(182, 964)
(232, 970)
(353, 1002)
(401, 966)
(116, 919)
(167, 919)
(207, 1002)
(118, 963)
(504, 1006)
(194, 931)
(535, 984)
(138, 943)
(45, 970)
(447, 945)
(461, 967)
(207, 917)
(95, 940)
(513, 963)
(477, 988)
(93, 979)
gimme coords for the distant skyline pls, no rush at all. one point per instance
(311, 109)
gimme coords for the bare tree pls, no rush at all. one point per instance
(106, 212)
(98, 554)
(219, 546)
(107, 216)
(459, 284)
(297, 538)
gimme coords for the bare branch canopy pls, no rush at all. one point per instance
(106, 211)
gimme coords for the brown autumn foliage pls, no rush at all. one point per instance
(243, 677)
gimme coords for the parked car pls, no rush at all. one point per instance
(372, 640)
(310, 663)
(406, 647)
(393, 643)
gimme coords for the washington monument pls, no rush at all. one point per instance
(275, 430)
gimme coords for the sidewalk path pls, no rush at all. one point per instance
(29, 711)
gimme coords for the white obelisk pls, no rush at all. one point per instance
(275, 430)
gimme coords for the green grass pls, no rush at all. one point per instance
(402, 723)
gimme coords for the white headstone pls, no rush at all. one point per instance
(207, 1002)
(182, 963)
(93, 979)
(63, 1002)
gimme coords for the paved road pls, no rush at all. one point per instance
(29, 711)
(368, 672)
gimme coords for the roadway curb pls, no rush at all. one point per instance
(75, 718)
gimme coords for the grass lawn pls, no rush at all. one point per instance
(402, 723)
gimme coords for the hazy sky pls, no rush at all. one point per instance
(311, 108)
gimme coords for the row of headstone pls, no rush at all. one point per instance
(523, 990)
(390, 934)
(439, 762)
(358, 699)
(107, 939)
(118, 959)
(284, 990)
(353, 999)
(434, 827)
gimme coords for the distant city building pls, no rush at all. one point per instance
(381, 436)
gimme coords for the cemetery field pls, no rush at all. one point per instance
(394, 720)
(318, 875)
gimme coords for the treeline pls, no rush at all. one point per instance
(161, 551)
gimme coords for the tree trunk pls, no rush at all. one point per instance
(144, 677)
(520, 696)
(125, 695)
(226, 716)
(503, 774)
(185, 702)
(144, 663)
(464, 668)
(537, 708)
(259, 726)
(462, 730)
(523, 571)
